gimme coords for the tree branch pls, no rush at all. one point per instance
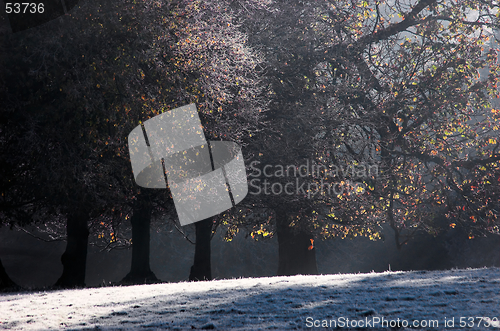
(409, 19)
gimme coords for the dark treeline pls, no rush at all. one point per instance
(353, 116)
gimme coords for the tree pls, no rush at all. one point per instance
(5, 281)
(225, 84)
(284, 36)
(140, 271)
(113, 66)
(391, 85)
(201, 268)
(415, 79)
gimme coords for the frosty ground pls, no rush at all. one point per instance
(463, 297)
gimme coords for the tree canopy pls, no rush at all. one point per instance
(392, 102)
(390, 84)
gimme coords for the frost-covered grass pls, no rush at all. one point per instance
(267, 303)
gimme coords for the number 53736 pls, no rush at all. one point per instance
(24, 7)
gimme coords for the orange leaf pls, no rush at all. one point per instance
(312, 244)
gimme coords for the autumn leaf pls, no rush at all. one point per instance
(312, 244)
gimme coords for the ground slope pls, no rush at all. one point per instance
(462, 297)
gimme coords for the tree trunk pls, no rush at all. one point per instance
(74, 259)
(297, 256)
(140, 270)
(202, 268)
(5, 281)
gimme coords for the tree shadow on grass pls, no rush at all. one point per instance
(284, 302)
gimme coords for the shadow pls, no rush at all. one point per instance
(280, 302)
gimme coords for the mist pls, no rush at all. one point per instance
(33, 263)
